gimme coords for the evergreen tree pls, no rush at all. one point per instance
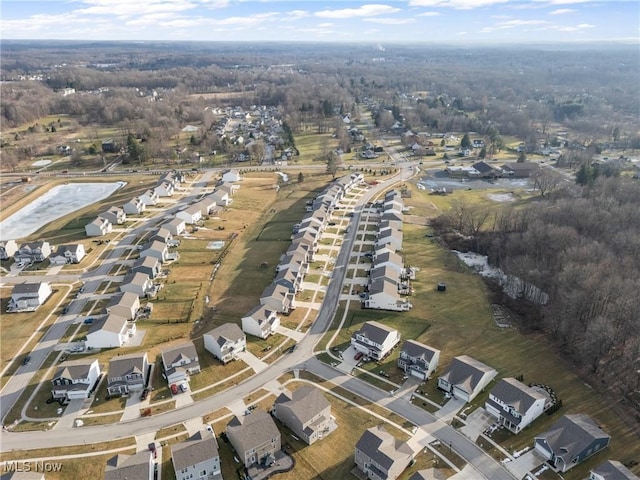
(465, 142)
(300, 177)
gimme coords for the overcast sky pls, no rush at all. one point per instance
(441, 21)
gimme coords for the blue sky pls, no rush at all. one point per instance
(394, 21)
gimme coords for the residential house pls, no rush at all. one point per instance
(515, 404)
(115, 215)
(33, 252)
(162, 234)
(176, 226)
(385, 271)
(207, 206)
(68, 254)
(225, 342)
(389, 237)
(418, 360)
(75, 379)
(138, 283)
(612, 470)
(221, 198)
(380, 456)
(179, 362)
(232, 175)
(191, 215)
(109, 332)
(375, 340)
(135, 206)
(302, 249)
(98, 227)
(150, 197)
(296, 262)
(520, 170)
(149, 265)
(124, 304)
(306, 412)
(570, 441)
(197, 458)
(7, 249)
(138, 466)
(164, 189)
(157, 250)
(386, 258)
(486, 170)
(127, 373)
(289, 278)
(306, 238)
(260, 322)
(228, 188)
(28, 296)
(255, 438)
(277, 298)
(383, 295)
(392, 215)
(465, 377)
(384, 224)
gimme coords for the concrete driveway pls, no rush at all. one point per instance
(348, 362)
(253, 361)
(477, 422)
(525, 463)
(71, 412)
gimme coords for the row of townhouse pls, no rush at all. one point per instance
(103, 224)
(208, 205)
(36, 252)
(388, 279)
(279, 297)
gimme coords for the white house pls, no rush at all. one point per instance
(138, 283)
(109, 332)
(124, 304)
(225, 342)
(277, 298)
(190, 215)
(28, 296)
(115, 215)
(176, 226)
(156, 249)
(7, 249)
(260, 322)
(162, 234)
(180, 361)
(221, 198)
(150, 197)
(135, 206)
(164, 189)
(418, 360)
(68, 254)
(207, 206)
(465, 377)
(150, 265)
(75, 379)
(98, 227)
(375, 340)
(383, 295)
(33, 252)
(232, 175)
(515, 404)
(197, 458)
(389, 237)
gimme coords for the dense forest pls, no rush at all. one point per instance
(576, 252)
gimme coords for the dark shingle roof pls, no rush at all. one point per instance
(200, 447)
(572, 434)
(614, 470)
(305, 403)
(419, 350)
(128, 467)
(253, 430)
(123, 365)
(376, 332)
(382, 447)
(465, 371)
(516, 394)
(226, 332)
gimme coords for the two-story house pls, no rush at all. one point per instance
(260, 321)
(180, 361)
(306, 412)
(380, 456)
(515, 404)
(127, 373)
(115, 215)
(277, 298)
(375, 340)
(28, 296)
(149, 265)
(418, 360)
(157, 250)
(74, 379)
(570, 441)
(138, 466)
(176, 226)
(465, 377)
(110, 331)
(33, 252)
(8, 248)
(124, 304)
(99, 227)
(197, 458)
(138, 283)
(150, 197)
(73, 253)
(255, 438)
(191, 215)
(135, 206)
(225, 342)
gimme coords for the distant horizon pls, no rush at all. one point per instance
(456, 22)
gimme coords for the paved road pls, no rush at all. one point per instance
(14, 387)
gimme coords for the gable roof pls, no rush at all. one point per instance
(74, 369)
(200, 447)
(419, 350)
(466, 372)
(571, 434)
(176, 353)
(614, 470)
(382, 447)
(376, 332)
(252, 430)
(516, 394)
(109, 323)
(125, 299)
(24, 288)
(305, 403)
(128, 467)
(226, 332)
(124, 365)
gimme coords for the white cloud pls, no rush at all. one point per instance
(562, 11)
(370, 10)
(390, 21)
(429, 14)
(325, 25)
(249, 20)
(458, 4)
(512, 24)
(126, 7)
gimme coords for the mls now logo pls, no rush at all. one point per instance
(29, 466)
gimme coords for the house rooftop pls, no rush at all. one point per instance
(26, 288)
(226, 332)
(253, 430)
(465, 371)
(571, 434)
(614, 470)
(516, 394)
(376, 332)
(128, 467)
(109, 323)
(305, 403)
(124, 365)
(176, 353)
(198, 448)
(74, 369)
(419, 350)
(382, 447)
(127, 299)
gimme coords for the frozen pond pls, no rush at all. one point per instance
(57, 202)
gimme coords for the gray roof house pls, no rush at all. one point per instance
(375, 339)
(277, 298)
(74, 379)
(127, 373)
(149, 265)
(570, 441)
(138, 283)
(418, 360)
(465, 377)
(98, 227)
(306, 412)
(115, 215)
(124, 304)
(135, 206)
(255, 438)
(515, 404)
(612, 470)
(33, 252)
(380, 456)
(179, 362)
(260, 321)
(72, 253)
(197, 458)
(225, 342)
(157, 250)
(138, 466)
(7, 249)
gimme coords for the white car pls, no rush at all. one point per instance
(184, 387)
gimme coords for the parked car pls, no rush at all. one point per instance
(358, 356)
(184, 387)
(26, 360)
(145, 393)
(174, 388)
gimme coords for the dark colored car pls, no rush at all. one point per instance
(26, 360)
(145, 393)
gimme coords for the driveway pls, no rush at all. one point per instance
(71, 412)
(525, 463)
(253, 361)
(477, 422)
(133, 406)
(449, 410)
(297, 336)
(348, 362)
